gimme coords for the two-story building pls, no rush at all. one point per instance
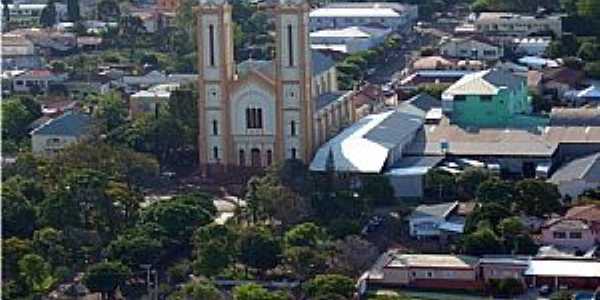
(346, 14)
(490, 98)
(579, 228)
(36, 81)
(473, 47)
(348, 40)
(511, 24)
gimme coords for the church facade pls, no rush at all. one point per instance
(255, 113)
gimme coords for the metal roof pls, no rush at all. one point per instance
(327, 98)
(487, 82)
(586, 168)
(352, 12)
(433, 261)
(70, 124)
(441, 210)
(563, 268)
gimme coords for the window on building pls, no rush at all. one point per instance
(215, 127)
(242, 158)
(293, 156)
(290, 46)
(486, 98)
(293, 128)
(254, 118)
(211, 44)
(575, 235)
(489, 52)
(559, 235)
(414, 274)
(269, 157)
(216, 153)
(459, 98)
(255, 156)
(429, 275)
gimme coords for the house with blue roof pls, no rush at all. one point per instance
(55, 134)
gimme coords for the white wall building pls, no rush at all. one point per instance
(342, 15)
(348, 40)
(471, 48)
(510, 24)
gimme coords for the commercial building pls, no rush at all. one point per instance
(473, 47)
(348, 40)
(341, 15)
(511, 24)
(577, 176)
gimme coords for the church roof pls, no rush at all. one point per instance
(320, 64)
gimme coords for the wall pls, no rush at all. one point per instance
(587, 240)
(407, 186)
(41, 144)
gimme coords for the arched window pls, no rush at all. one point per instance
(255, 156)
(242, 158)
(293, 156)
(216, 153)
(293, 128)
(254, 118)
(215, 127)
(269, 157)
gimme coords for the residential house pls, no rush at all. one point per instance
(349, 40)
(511, 24)
(575, 117)
(346, 14)
(579, 228)
(148, 101)
(368, 99)
(60, 132)
(425, 271)
(436, 221)
(36, 81)
(89, 43)
(441, 63)
(25, 15)
(132, 84)
(564, 274)
(473, 47)
(490, 98)
(533, 46)
(502, 267)
(18, 53)
(80, 87)
(421, 78)
(577, 176)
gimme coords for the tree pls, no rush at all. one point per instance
(134, 250)
(51, 244)
(179, 216)
(483, 241)
(468, 181)
(215, 249)
(200, 291)
(36, 272)
(377, 189)
(13, 249)
(330, 284)
(440, 185)
(18, 215)
(259, 249)
(111, 110)
(492, 213)
(48, 15)
(30, 188)
(256, 292)
(353, 255)
(60, 211)
(105, 277)
(305, 262)
(15, 119)
(108, 10)
(589, 51)
(495, 190)
(588, 8)
(592, 69)
(73, 10)
(536, 197)
(304, 235)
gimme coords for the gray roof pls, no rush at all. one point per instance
(417, 161)
(501, 78)
(584, 116)
(321, 62)
(424, 102)
(436, 210)
(324, 99)
(391, 131)
(69, 124)
(586, 168)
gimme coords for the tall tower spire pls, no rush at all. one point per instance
(293, 81)
(215, 72)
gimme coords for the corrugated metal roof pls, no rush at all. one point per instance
(435, 210)
(354, 12)
(563, 268)
(486, 82)
(586, 168)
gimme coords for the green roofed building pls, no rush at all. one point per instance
(491, 98)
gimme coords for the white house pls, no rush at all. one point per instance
(341, 15)
(471, 48)
(348, 40)
(434, 220)
(510, 24)
(60, 132)
(578, 175)
(36, 80)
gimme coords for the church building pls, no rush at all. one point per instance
(255, 113)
